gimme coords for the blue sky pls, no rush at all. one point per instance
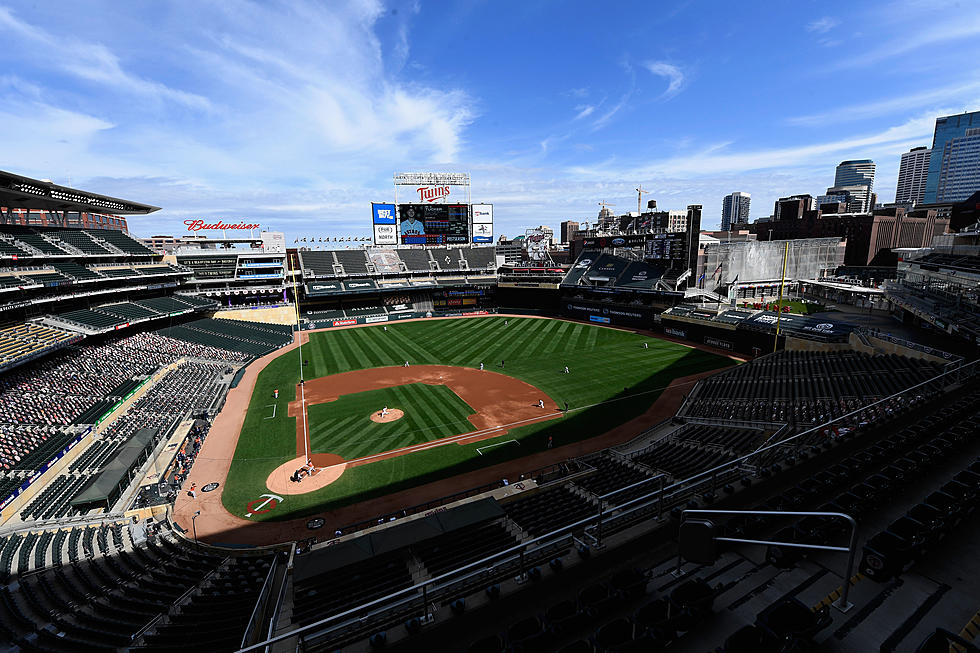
(296, 115)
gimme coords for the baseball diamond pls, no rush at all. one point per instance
(450, 406)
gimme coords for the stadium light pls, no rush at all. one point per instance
(194, 524)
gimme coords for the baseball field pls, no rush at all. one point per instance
(446, 416)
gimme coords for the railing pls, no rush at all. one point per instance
(254, 620)
(908, 344)
(513, 559)
(61, 522)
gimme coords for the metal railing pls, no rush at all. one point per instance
(505, 562)
(254, 621)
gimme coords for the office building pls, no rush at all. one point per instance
(852, 174)
(735, 210)
(912, 175)
(568, 229)
(793, 207)
(954, 165)
(852, 199)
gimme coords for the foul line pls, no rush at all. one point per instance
(479, 450)
(273, 416)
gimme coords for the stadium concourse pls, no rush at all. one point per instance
(218, 525)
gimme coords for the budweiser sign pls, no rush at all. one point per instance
(432, 193)
(201, 225)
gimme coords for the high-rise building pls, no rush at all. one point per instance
(912, 174)
(792, 207)
(735, 210)
(859, 172)
(568, 229)
(954, 165)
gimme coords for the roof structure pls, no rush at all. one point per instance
(19, 192)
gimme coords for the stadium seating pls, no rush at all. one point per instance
(318, 264)
(235, 335)
(80, 240)
(128, 311)
(479, 258)
(92, 319)
(804, 387)
(354, 262)
(121, 240)
(118, 271)
(22, 340)
(415, 260)
(41, 244)
(9, 249)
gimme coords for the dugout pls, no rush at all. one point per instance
(105, 488)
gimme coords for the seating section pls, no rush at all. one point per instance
(92, 319)
(447, 258)
(117, 272)
(21, 340)
(480, 258)
(122, 240)
(416, 260)
(460, 547)
(128, 311)
(731, 439)
(802, 387)
(40, 243)
(81, 240)
(166, 305)
(317, 264)
(349, 586)
(542, 512)
(611, 475)
(75, 271)
(152, 270)
(9, 249)
(354, 261)
(680, 460)
(45, 278)
(235, 335)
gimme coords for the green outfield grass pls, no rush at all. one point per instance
(612, 379)
(342, 427)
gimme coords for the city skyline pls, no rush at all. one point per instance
(212, 118)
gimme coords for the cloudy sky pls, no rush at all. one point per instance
(296, 115)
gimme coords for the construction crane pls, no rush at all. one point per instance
(639, 197)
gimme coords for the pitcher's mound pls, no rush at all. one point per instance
(393, 414)
(329, 468)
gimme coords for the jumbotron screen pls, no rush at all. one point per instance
(433, 224)
(670, 247)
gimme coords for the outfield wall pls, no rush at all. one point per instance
(382, 319)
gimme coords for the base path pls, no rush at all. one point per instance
(218, 526)
(500, 401)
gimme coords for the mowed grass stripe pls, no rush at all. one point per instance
(602, 362)
(386, 345)
(431, 412)
(463, 349)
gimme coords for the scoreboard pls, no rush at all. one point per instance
(667, 247)
(433, 224)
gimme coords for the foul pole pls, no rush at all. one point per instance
(779, 304)
(302, 385)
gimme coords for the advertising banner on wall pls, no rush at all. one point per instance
(383, 219)
(483, 223)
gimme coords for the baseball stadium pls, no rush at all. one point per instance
(413, 443)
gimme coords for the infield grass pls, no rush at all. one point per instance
(612, 379)
(344, 427)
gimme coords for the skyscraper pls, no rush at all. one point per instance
(912, 175)
(568, 229)
(859, 172)
(735, 209)
(954, 166)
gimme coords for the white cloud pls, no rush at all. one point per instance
(822, 25)
(928, 33)
(673, 75)
(584, 110)
(90, 61)
(898, 104)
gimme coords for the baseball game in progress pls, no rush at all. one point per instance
(373, 326)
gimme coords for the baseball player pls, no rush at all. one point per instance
(646, 345)
(566, 369)
(384, 412)
(481, 367)
(540, 403)
(275, 393)
(386, 329)
(406, 363)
